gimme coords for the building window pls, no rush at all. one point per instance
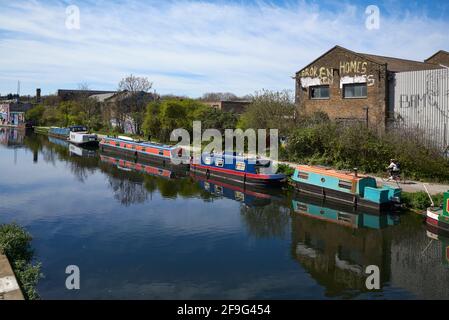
(354, 90)
(319, 92)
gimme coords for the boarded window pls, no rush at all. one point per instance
(345, 184)
(219, 162)
(319, 92)
(355, 90)
(240, 165)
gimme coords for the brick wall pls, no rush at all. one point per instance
(335, 68)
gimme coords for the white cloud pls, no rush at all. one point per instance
(188, 47)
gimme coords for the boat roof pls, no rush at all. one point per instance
(346, 175)
(147, 143)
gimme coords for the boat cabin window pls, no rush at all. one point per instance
(240, 165)
(219, 162)
(303, 175)
(207, 160)
(345, 184)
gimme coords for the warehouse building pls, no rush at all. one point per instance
(380, 91)
(351, 86)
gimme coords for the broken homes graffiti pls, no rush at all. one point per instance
(433, 96)
(350, 72)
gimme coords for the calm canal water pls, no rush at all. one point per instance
(165, 235)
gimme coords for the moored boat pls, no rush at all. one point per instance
(439, 217)
(347, 187)
(238, 169)
(144, 150)
(80, 136)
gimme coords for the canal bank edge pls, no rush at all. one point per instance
(9, 287)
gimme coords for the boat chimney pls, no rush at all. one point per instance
(356, 172)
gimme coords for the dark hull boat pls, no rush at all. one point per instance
(237, 169)
(143, 150)
(349, 188)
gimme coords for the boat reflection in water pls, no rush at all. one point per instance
(250, 196)
(340, 214)
(73, 149)
(147, 167)
(335, 244)
(435, 233)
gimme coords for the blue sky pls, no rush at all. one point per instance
(192, 47)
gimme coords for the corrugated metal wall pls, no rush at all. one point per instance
(421, 101)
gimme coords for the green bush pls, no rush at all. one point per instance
(420, 200)
(285, 169)
(348, 146)
(15, 243)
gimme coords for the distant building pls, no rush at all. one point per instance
(69, 94)
(110, 101)
(233, 106)
(12, 113)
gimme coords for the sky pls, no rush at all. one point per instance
(193, 47)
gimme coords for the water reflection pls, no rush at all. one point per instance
(335, 244)
(143, 230)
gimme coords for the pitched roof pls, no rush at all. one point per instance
(393, 64)
(399, 65)
(438, 52)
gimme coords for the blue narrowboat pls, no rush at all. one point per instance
(238, 169)
(347, 187)
(144, 150)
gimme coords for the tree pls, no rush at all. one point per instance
(134, 99)
(270, 110)
(35, 114)
(218, 96)
(89, 108)
(162, 117)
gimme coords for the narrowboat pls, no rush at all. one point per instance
(439, 217)
(145, 150)
(341, 214)
(80, 136)
(238, 169)
(60, 133)
(77, 135)
(152, 169)
(344, 186)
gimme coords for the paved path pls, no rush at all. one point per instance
(9, 288)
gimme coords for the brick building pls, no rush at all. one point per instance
(351, 86)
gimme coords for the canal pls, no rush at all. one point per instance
(137, 231)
